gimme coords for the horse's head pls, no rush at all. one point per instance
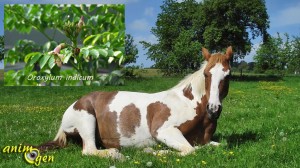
(216, 75)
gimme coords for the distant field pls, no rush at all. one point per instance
(259, 125)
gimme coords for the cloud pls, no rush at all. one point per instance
(140, 25)
(288, 16)
(149, 11)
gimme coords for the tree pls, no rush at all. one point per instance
(274, 55)
(243, 65)
(182, 28)
(131, 51)
(294, 62)
(1, 48)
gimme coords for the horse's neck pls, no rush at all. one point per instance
(195, 81)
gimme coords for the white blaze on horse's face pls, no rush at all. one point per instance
(217, 75)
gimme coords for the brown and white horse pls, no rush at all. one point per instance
(181, 117)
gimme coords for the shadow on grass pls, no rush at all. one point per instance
(237, 139)
(255, 78)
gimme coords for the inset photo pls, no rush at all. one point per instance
(63, 45)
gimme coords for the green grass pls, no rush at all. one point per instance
(259, 126)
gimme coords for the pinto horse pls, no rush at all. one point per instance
(181, 117)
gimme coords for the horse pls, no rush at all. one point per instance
(182, 117)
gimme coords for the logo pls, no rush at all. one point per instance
(31, 155)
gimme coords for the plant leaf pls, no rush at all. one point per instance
(51, 62)
(28, 56)
(68, 55)
(44, 60)
(103, 52)
(94, 53)
(35, 58)
(110, 59)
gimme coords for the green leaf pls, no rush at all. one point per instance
(68, 55)
(110, 59)
(121, 60)
(94, 53)
(96, 39)
(51, 62)
(84, 52)
(118, 54)
(44, 60)
(28, 56)
(110, 53)
(34, 59)
(103, 52)
(92, 7)
(88, 38)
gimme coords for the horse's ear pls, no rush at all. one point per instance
(228, 53)
(205, 53)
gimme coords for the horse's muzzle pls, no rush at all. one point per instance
(213, 111)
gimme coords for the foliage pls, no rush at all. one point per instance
(1, 48)
(183, 28)
(248, 128)
(102, 45)
(278, 55)
(294, 61)
(131, 50)
(242, 66)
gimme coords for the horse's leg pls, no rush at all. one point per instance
(173, 137)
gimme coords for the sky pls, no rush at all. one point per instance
(141, 17)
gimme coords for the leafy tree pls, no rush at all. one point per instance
(243, 65)
(100, 29)
(182, 28)
(131, 50)
(294, 62)
(1, 48)
(274, 55)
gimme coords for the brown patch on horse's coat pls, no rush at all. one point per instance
(107, 120)
(85, 103)
(187, 92)
(157, 114)
(97, 104)
(130, 118)
(201, 128)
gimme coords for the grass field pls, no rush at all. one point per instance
(259, 126)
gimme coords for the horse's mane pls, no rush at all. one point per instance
(198, 75)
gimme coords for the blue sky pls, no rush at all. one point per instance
(141, 17)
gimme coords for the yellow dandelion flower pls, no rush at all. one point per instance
(231, 153)
(177, 160)
(203, 162)
(136, 162)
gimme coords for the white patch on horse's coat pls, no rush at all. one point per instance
(85, 123)
(217, 75)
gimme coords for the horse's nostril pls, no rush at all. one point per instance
(220, 108)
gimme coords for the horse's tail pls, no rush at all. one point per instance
(59, 141)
